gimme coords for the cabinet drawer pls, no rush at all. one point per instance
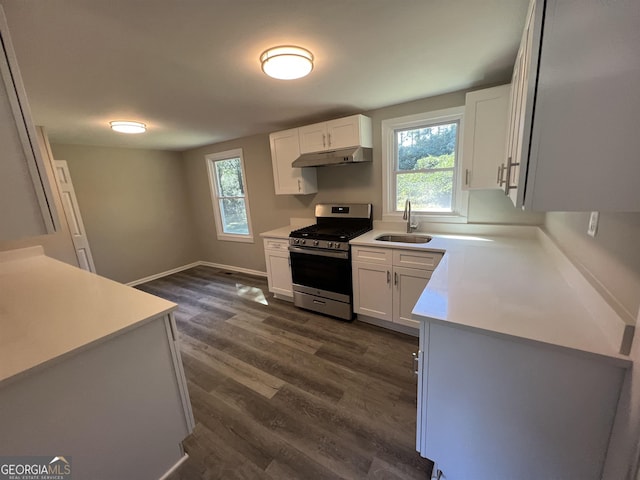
(276, 244)
(381, 256)
(416, 259)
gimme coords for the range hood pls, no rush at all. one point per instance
(334, 157)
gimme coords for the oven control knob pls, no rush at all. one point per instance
(303, 242)
(337, 245)
(296, 241)
(316, 243)
(330, 244)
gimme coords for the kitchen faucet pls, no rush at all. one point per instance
(407, 216)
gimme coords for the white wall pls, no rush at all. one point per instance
(135, 210)
(611, 261)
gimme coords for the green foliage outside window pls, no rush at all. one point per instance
(231, 196)
(425, 168)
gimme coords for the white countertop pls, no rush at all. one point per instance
(282, 232)
(514, 285)
(49, 309)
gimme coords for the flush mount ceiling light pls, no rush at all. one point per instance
(128, 127)
(287, 62)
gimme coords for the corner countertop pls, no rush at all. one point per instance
(282, 232)
(49, 309)
(516, 284)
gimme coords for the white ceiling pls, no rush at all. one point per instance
(189, 69)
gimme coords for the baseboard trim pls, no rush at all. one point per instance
(414, 332)
(163, 274)
(168, 473)
(196, 264)
(248, 271)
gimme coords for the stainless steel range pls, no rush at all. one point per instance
(321, 258)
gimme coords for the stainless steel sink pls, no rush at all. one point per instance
(404, 238)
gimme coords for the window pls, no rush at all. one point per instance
(421, 155)
(229, 195)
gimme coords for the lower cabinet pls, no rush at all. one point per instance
(387, 282)
(276, 254)
(117, 408)
(494, 407)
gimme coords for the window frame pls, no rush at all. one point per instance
(211, 160)
(389, 156)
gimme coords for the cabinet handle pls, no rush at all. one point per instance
(508, 185)
(395, 278)
(324, 140)
(416, 356)
(388, 277)
(466, 176)
(500, 181)
(329, 139)
(299, 185)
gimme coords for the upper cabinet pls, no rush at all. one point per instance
(485, 131)
(572, 143)
(335, 134)
(25, 192)
(285, 148)
(288, 145)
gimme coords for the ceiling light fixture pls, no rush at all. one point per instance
(287, 62)
(128, 127)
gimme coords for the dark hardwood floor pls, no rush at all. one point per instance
(282, 393)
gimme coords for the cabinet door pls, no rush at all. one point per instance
(372, 290)
(285, 148)
(485, 133)
(408, 285)
(23, 180)
(278, 267)
(523, 95)
(313, 138)
(343, 132)
(279, 271)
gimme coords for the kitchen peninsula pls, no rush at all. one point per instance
(88, 366)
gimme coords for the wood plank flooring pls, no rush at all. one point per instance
(282, 393)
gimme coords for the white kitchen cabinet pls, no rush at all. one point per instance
(372, 290)
(574, 143)
(388, 282)
(276, 254)
(485, 131)
(491, 407)
(24, 185)
(285, 148)
(335, 134)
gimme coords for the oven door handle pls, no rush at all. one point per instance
(318, 252)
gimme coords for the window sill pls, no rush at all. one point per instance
(426, 218)
(227, 237)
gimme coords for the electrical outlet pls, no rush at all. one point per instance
(593, 224)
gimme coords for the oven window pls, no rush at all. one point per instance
(323, 273)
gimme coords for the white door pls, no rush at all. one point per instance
(72, 212)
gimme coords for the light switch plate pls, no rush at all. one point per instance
(593, 223)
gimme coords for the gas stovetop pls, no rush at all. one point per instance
(337, 224)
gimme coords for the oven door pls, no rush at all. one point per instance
(325, 273)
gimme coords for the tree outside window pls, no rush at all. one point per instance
(228, 191)
(425, 167)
